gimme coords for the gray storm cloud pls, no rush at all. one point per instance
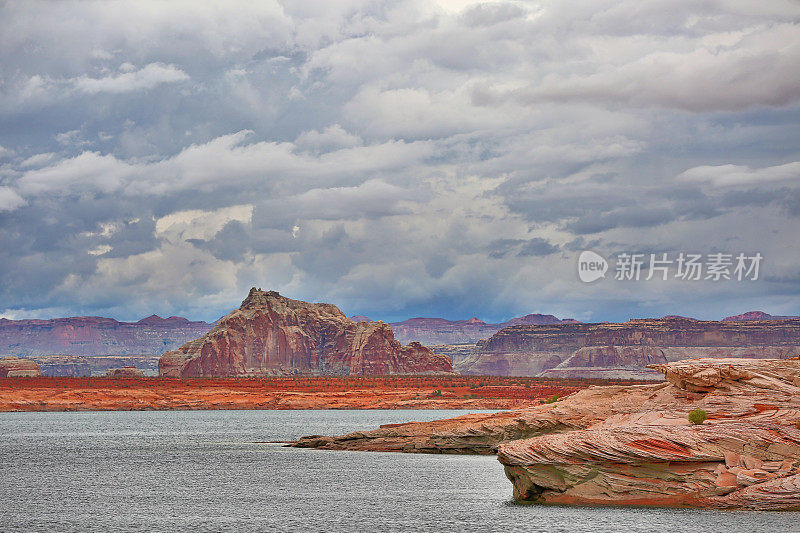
(396, 158)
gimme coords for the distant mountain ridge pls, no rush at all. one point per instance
(94, 335)
(443, 331)
(88, 336)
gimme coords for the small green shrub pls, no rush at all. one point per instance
(437, 392)
(551, 399)
(697, 416)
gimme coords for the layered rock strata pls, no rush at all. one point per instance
(14, 367)
(273, 335)
(581, 350)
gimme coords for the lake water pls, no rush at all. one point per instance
(207, 471)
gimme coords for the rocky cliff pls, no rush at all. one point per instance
(273, 335)
(623, 350)
(91, 336)
(14, 367)
(634, 445)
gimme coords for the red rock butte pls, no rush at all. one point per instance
(273, 335)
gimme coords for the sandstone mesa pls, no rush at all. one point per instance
(634, 445)
(624, 350)
(274, 335)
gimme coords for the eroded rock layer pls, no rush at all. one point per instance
(573, 350)
(747, 455)
(14, 367)
(273, 335)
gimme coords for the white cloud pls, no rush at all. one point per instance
(221, 163)
(9, 199)
(199, 224)
(70, 138)
(734, 175)
(100, 250)
(38, 160)
(130, 80)
(332, 137)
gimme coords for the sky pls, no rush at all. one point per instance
(398, 159)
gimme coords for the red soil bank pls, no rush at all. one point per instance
(379, 392)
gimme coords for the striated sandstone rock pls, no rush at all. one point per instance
(671, 465)
(483, 433)
(534, 350)
(273, 335)
(746, 456)
(634, 445)
(14, 367)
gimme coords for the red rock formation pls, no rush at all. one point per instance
(91, 335)
(273, 335)
(531, 350)
(634, 445)
(14, 367)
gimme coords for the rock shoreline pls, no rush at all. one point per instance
(634, 445)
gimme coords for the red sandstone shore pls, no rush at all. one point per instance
(393, 392)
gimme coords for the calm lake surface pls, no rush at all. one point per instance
(207, 471)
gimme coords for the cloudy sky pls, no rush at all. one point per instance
(395, 158)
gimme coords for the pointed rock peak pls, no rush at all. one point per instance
(257, 298)
(475, 320)
(152, 319)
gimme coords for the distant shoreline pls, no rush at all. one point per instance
(279, 393)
